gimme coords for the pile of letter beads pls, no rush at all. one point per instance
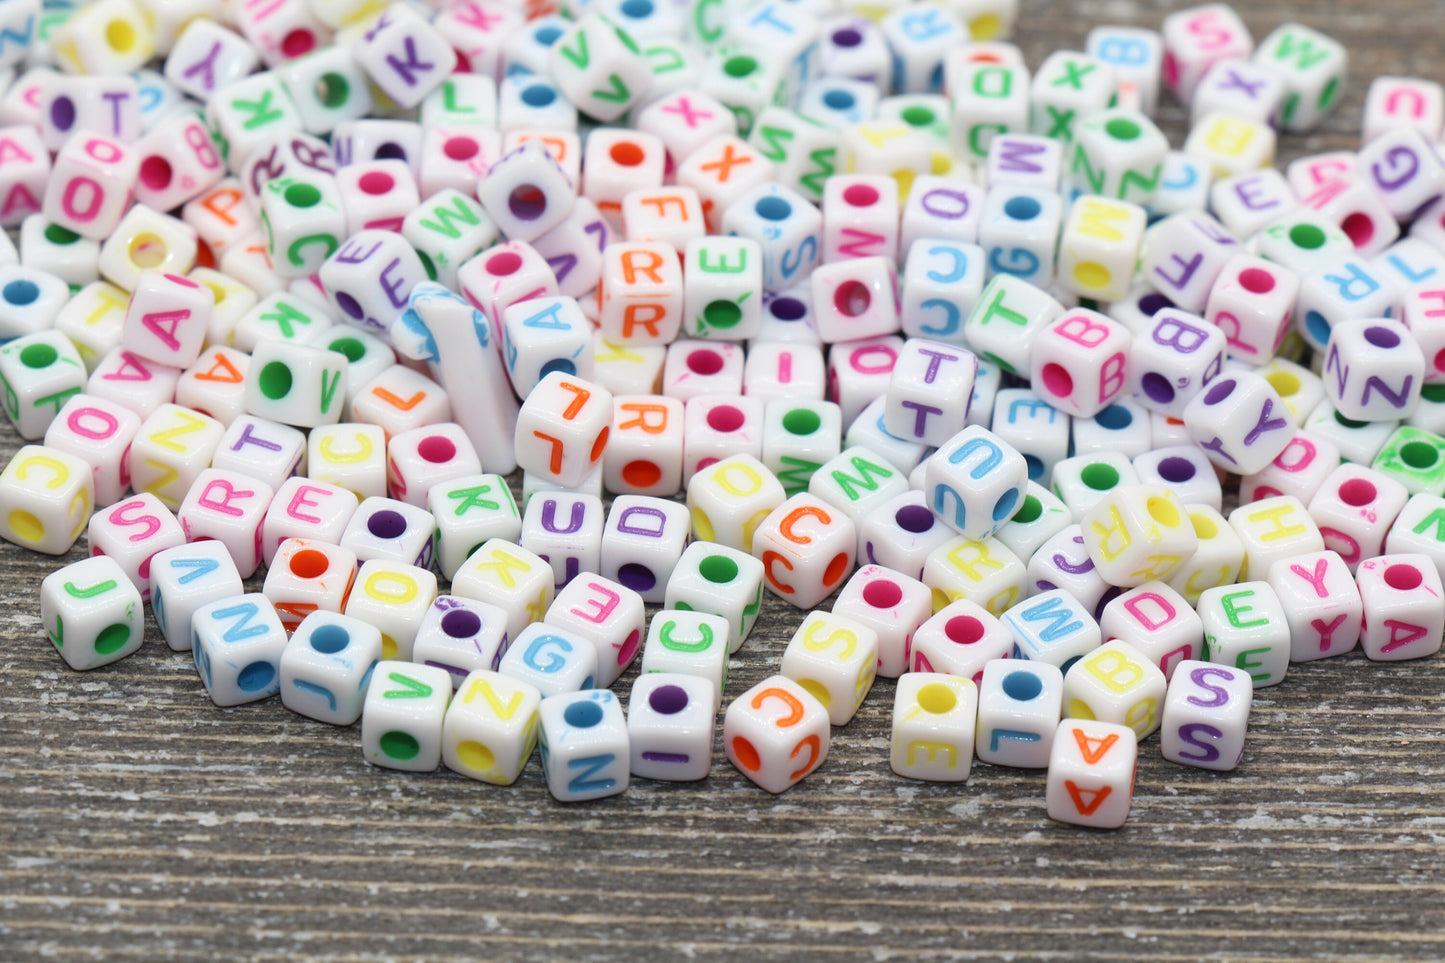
(798, 300)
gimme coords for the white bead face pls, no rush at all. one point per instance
(1019, 704)
(1206, 714)
(402, 718)
(933, 727)
(1091, 773)
(776, 733)
(91, 613)
(671, 719)
(327, 666)
(585, 748)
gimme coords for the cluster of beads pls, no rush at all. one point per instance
(968, 345)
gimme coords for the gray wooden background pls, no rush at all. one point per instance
(138, 821)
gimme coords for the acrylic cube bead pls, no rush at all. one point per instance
(306, 576)
(776, 733)
(721, 581)
(91, 613)
(1403, 618)
(460, 636)
(237, 644)
(890, 604)
(688, 642)
(403, 715)
(186, 578)
(327, 666)
(671, 719)
(975, 483)
(1091, 773)
(933, 727)
(584, 745)
(1019, 705)
(1206, 714)
(1116, 683)
(608, 615)
(491, 727)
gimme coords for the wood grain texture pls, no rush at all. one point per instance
(138, 821)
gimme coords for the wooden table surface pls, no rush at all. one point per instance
(138, 821)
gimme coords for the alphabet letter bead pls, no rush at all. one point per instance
(402, 718)
(1240, 421)
(1019, 704)
(1246, 627)
(981, 476)
(507, 575)
(92, 613)
(237, 643)
(890, 604)
(670, 723)
(1116, 683)
(227, 506)
(1403, 617)
(721, 581)
(776, 733)
(807, 548)
(1079, 360)
(1206, 713)
(490, 728)
(327, 666)
(960, 639)
(1091, 773)
(562, 428)
(933, 727)
(460, 636)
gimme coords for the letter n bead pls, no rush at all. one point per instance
(1404, 618)
(237, 644)
(585, 751)
(1091, 773)
(490, 728)
(933, 727)
(91, 613)
(776, 733)
(1206, 714)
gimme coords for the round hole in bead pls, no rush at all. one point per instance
(1381, 336)
(563, 365)
(376, 182)
(302, 195)
(155, 173)
(26, 525)
(882, 594)
(1349, 422)
(746, 755)
(298, 43)
(38, 355)
(1357, 491)
(722, 313)
(641, 473)
(390, 151)
(626, 153)
(718, 569)
(1092, 275)
(398, 745)
(461, 624)
(504, 263)
(847, 37)
(628, 649)
(801, 421)
(350, 305)
(1114, 418)
(1359, 228)
(475, 756)
(1403, 578)
(538, 95)
(460, 148)
(1156, 387)
(275, 380)
(1154, 302)
(936, 698)
(583, 714)
(837, 99)
(918, 116)
(56, 234)
(915, 519)
(1030, 511)
(1122, 128)
(1163, 511)
(1035, 466)
(1177, 470)
(667, 700)
(772, 208)
(1285, 382)
(852, 298)
(21, 293)
(386, 524)
(256, 677)
(62, 113)
(120, 35)
(1256, 280)
(1204, 526)
(1099, 476)
(725, 418)
(1057, 380)
(1218, 391)
(860, 195)
(963, 629)
(437, 449)
(636, 576)
(1022, 208)
(739, 66)
(1307, 236)
(148, 250)
(309, 563)
(353, 349)
(1419, 455)
(1022, 686)
(705, 362)
(547, 36)
(332, 89)
(527, 202)
(1317, 327)
(330, 639)
(1005, 505)
(788, 309)
(837, 568)
(112, 638)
